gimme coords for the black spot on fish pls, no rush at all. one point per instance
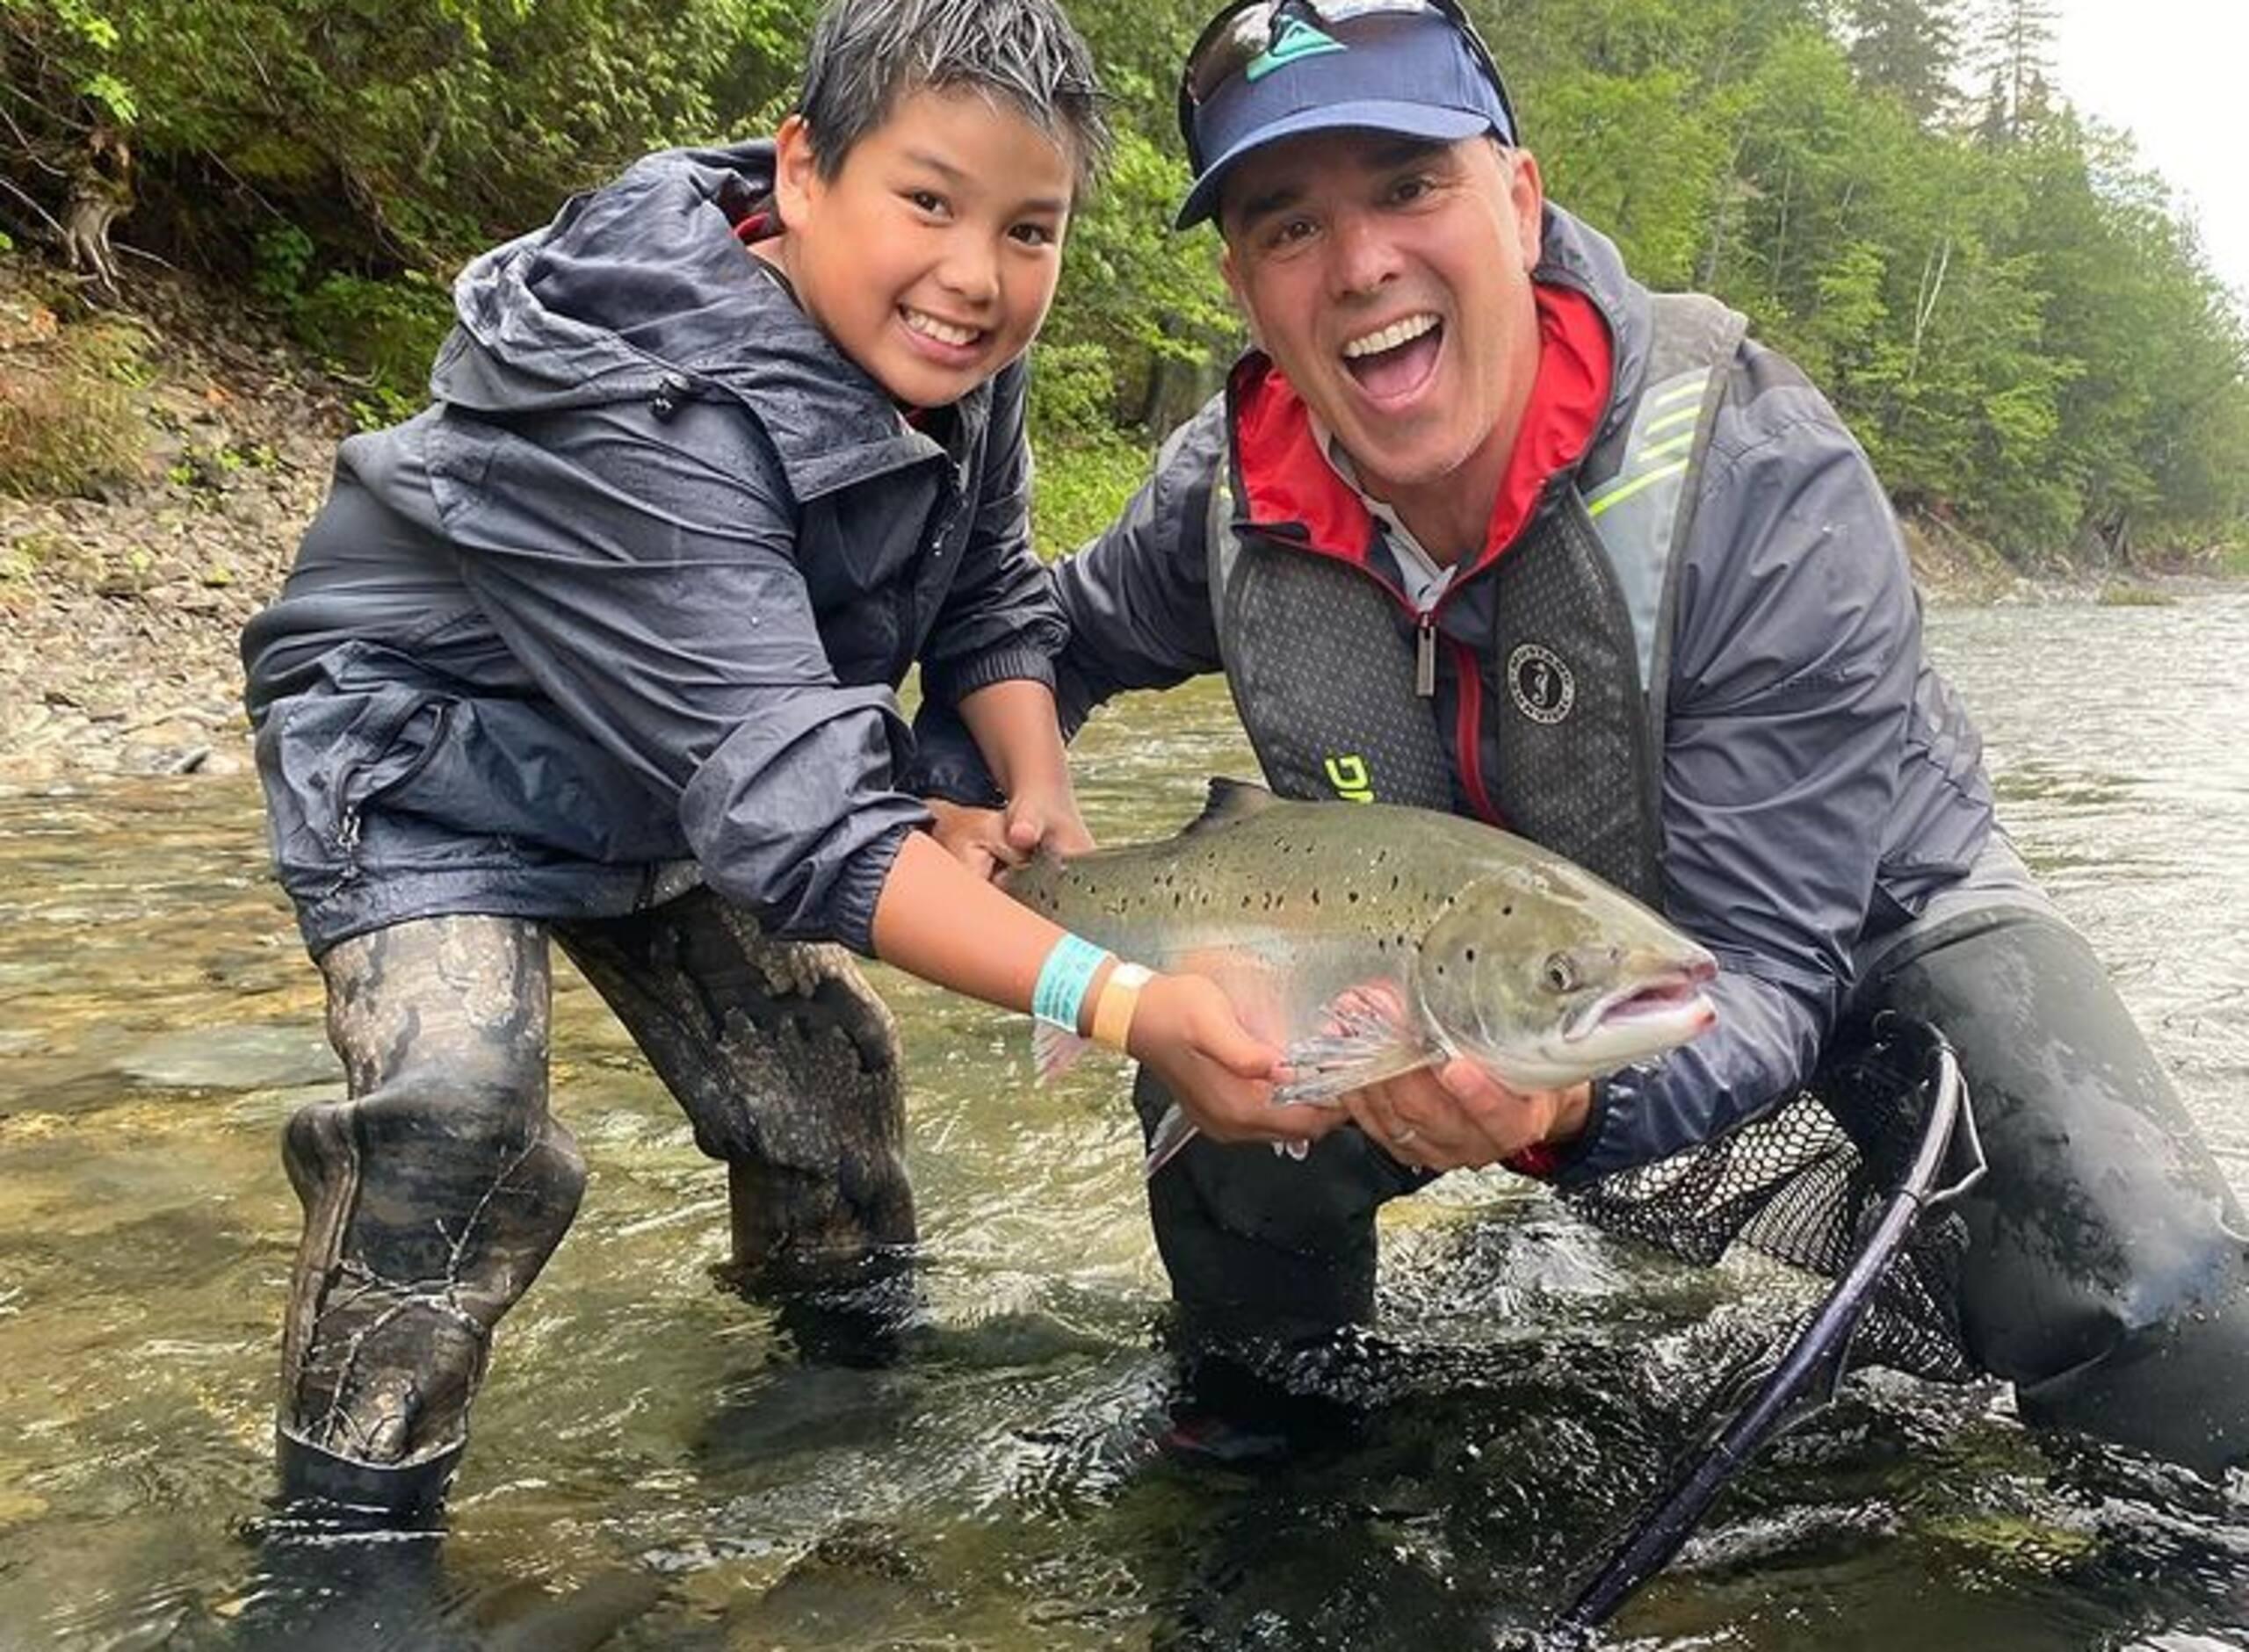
(1471, 955)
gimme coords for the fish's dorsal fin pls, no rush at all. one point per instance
(1230, 800)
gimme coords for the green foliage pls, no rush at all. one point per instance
(382, 334)
(2126, 596)
(1085, 467)
(1079, 486)
(404, 132)
(1150, 301)
(2012, 314)
(1906, 49)
(281, 256)
(1070, 387)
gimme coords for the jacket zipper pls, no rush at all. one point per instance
(347, 821)
(1468, 721)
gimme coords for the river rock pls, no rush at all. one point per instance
(260, 1056)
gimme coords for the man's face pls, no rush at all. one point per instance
(931, 255)
(1390, 280)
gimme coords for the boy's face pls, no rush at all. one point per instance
(931, 255)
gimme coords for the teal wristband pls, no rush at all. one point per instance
(1063, 978)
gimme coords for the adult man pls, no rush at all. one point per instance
(1481, 523)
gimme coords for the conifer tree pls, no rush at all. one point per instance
(2018, 47)
(1906, 48)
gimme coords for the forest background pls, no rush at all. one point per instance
(2013, 313)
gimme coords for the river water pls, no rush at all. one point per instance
(657, 1458)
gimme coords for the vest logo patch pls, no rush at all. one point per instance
(1347, 774)
(1543, 688)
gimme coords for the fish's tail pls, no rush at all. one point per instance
(1172, 1133)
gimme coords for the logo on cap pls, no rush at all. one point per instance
(1293, 38)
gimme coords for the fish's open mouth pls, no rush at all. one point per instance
(1674, 996)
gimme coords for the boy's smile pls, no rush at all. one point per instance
(931, 257)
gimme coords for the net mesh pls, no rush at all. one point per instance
(1804, 1185)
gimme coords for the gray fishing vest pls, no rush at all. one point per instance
(1334, 679)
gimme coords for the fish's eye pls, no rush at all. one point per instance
(1561, 974)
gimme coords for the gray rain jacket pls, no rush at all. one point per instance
(639, 585)
(1820, 784)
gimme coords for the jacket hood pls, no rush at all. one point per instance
(643, 286)
(1575, 255)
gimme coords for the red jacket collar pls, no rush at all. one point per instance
(1287, 478)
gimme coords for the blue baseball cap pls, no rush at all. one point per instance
(1264, 72)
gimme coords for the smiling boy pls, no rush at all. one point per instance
(604, 646)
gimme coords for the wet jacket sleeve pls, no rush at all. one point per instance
(644, 572)
(999, 622)
(1794, 654)
(1136, 600)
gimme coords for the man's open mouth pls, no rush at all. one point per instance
(1395, 360)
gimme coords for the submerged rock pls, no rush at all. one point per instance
(261, 1055)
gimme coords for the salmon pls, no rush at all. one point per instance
(1366, 941)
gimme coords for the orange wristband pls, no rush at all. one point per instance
(1120, 996)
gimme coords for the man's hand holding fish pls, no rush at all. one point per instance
(1458, 1118)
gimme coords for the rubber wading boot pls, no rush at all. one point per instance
(422, 1226)
(2107, 1269)
(431, 1198)
(787, 1064)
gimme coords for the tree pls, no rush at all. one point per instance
(1906, 48)
(2018, 50)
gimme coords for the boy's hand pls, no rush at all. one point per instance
(1221, 1073)
(977, 837)
(1459, 1117)
(989, 841)
(1045, 818)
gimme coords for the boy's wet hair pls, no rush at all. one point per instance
(865, 56)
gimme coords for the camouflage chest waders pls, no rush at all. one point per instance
(436, 1192)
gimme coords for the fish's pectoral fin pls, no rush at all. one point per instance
(1054, 1051)
(1228, 801)
(1364, 1037)
(1324, 1085)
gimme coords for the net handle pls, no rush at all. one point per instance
(1660, 1533)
